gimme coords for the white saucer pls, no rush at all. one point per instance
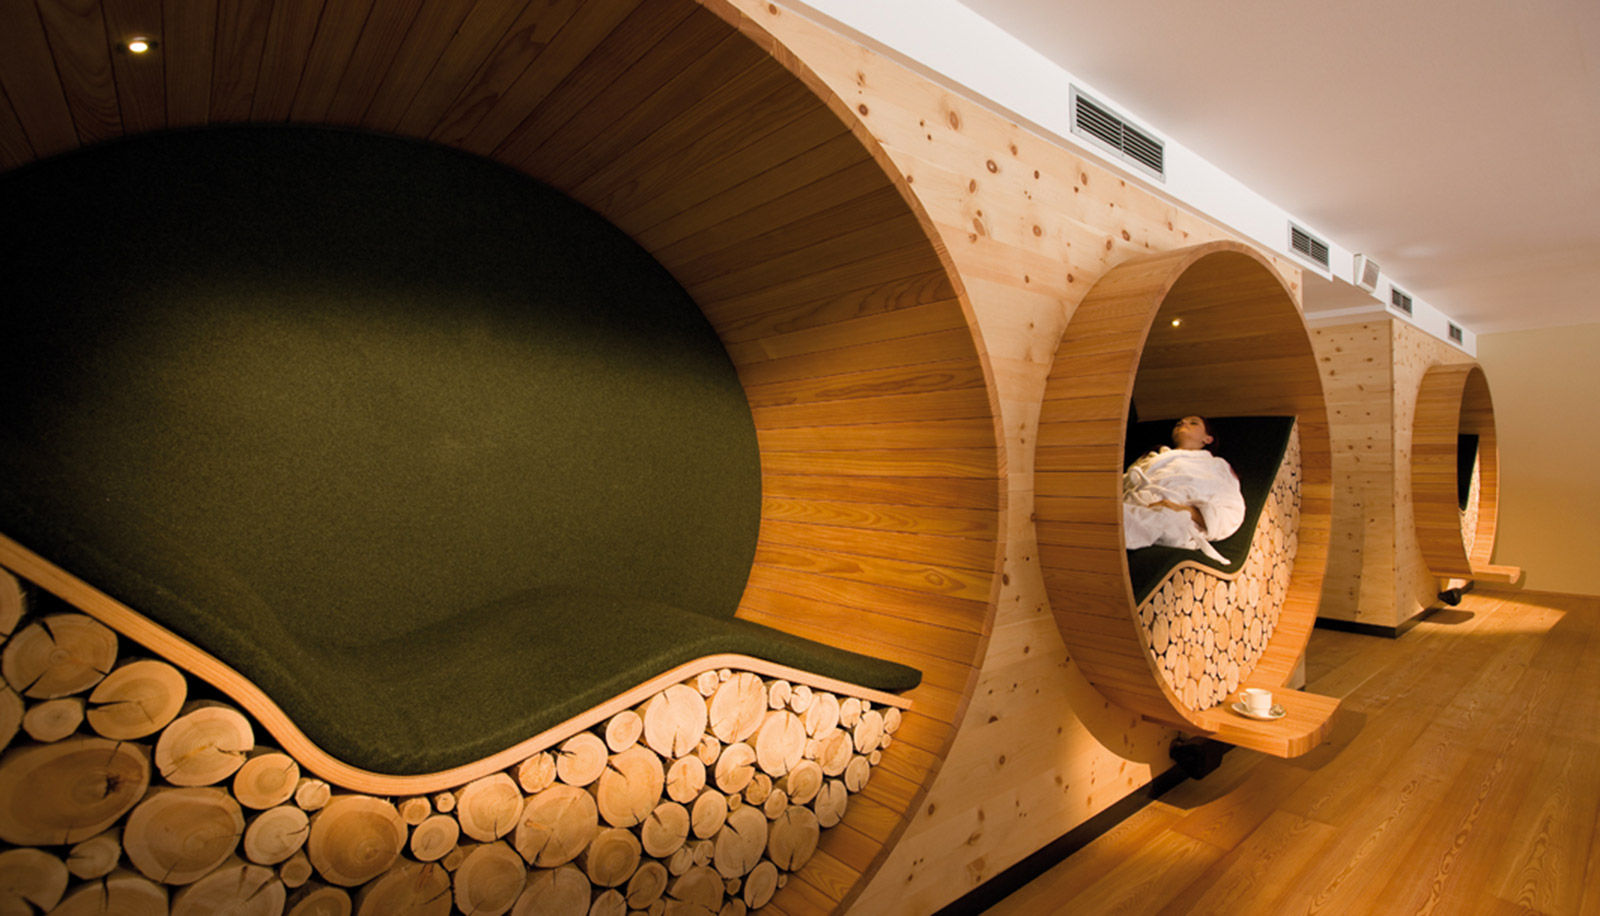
(1276, 712)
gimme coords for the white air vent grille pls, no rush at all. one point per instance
(1366, 273)
(1094, 120)
(1312, 248)
(1455, 334)
(1399, 300)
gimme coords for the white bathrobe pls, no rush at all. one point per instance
(1188, 477)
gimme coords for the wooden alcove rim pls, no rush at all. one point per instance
(1452, 399)
(1243, 350)
(612, 153)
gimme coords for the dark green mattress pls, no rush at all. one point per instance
(434, 455)
(1466, 463)
(1254, 447)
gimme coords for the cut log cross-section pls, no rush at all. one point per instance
(122, 892)
(31, 880)
(177, 836)
(69, 791)
(560, 891)
(412, 888)
(355, 838)
(488, 808)
(674, 721)
(53, 720)
(738, 708)
(205, 744)
(276, 834)
(235, 887)
(266, 779)
(97, 856)
(59, 655)
(138, 698)
(631, 785)
(556, 825)
(490, 880)
(433, 839)
(611, 858)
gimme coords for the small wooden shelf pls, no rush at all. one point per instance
(1308, 719)
(1504, 574)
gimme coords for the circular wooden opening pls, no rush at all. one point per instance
(693, 131)
(1455, 471)
(1208, 330)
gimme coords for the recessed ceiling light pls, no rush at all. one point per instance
(1177, 322)
(139, 45)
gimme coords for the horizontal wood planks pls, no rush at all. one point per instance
(697, 133)
(1210, 330)
(1453, 400)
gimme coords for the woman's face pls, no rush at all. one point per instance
(1190, 432)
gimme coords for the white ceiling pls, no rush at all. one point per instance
(1456, 142)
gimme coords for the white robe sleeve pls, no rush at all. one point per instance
(1223, 510)
(1187, 477)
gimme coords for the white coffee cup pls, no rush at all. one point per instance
(1257, 700)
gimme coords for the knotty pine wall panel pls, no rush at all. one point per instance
(1371, 372)
(1030, 225)
(1416, 588)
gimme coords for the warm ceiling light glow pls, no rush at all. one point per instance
(138, 45)
(1177, 322)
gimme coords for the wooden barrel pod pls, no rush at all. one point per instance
(1208, 330)
(1455, 413)
(695, 132)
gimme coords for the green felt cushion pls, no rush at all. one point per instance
(1254, 447)
(435, 455)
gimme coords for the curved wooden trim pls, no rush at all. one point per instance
(1242, 350)
(196, 661)
(1452, 400)
(697, 132)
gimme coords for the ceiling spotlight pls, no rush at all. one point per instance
(1177, 322)
(139, 45)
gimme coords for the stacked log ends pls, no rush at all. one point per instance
(31, 880)
(414, 888)
(70, 790)
(702, 799)
(1206, 630)
(58, 656)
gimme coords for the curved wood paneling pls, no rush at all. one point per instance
(1240, 348)
(1453, 400)
(693, 130)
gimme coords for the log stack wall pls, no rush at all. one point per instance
(709, 794)
(1205, 630)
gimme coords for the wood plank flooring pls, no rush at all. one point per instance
(1462, 780)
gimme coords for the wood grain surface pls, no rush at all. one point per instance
(1461, 780)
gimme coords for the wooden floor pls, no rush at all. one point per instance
(1463, 779)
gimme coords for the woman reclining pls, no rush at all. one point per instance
(1182, 496)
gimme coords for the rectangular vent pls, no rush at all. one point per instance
(1455, 334)
(1096, 121)
(1366, 274)
(1312, 248)
(1399, 300)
